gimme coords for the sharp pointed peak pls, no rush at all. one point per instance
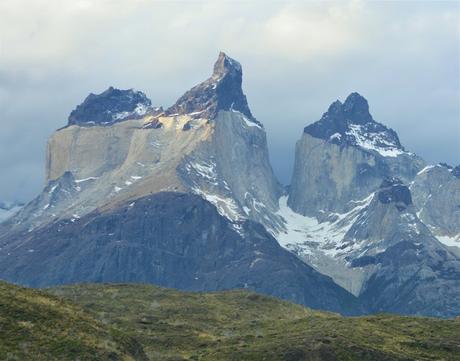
(222, 91)
(225, 65)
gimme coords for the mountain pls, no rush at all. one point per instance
(178, 198)
(206, 147)
(39, 326)
(8, 209)
(186, 198)
(343, 157)
(350, 215)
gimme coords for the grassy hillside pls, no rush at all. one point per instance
(38, 326)
(239, 325)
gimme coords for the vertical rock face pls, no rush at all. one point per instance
(343, 157)
(436, 192)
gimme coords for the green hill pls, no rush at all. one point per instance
(239, 325)
(38, 326)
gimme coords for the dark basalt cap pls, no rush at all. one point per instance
(392, 190)
(222, 91)
(456, 171)
(103, 108)
(356, 109)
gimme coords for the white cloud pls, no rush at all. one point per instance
(297, 58)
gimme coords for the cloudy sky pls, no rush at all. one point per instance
(297, 58)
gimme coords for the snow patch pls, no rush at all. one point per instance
(377, 142)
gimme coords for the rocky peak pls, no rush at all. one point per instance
(356, 109)
(222, 91)
(351, 123)
(392, 190)
(226, 66)
(112, 105)
(456, 171)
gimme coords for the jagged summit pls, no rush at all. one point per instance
(222, 91)
(225, 65)
(111, 106)
(350, 123)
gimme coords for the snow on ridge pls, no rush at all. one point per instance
(225, 206)
(85, 179)
(426, 169)
(374, 141)
(337, 136)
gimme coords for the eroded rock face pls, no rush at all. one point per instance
(173, 240)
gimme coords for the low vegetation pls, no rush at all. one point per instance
(240, 325)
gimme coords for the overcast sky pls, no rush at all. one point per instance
(297, 58)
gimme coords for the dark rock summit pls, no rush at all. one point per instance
(222, 91)
(112, 105)
(351, 123)
(456, 171)
(392, 190)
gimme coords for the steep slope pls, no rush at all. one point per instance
(381, 252)
(239, 325)
(9, 209)
(38, 326)
(343, 157)
(169, 239)
(436, 195)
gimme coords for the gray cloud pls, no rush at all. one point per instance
(298, 57)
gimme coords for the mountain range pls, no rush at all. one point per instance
(185, 197)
